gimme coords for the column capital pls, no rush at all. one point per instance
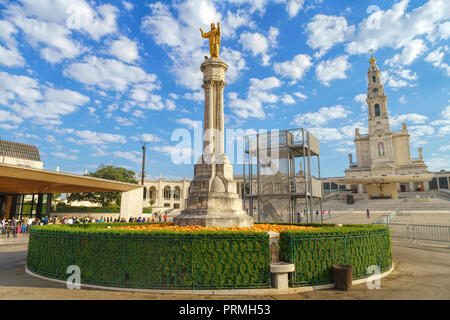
(207, 84)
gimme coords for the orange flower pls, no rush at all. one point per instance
(255, 228)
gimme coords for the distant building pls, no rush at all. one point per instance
(384, 165)
(13, 205)
(20, 154)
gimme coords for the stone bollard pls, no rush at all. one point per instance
(274, 248)
(279, 272)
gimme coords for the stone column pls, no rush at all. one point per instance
(131, 203)
(220, 124)
(213, 198)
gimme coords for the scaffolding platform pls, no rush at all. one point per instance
(273, 189)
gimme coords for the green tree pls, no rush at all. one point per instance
(106, 199)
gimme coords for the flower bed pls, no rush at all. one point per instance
(256, 228)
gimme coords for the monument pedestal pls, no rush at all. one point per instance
(213, 199)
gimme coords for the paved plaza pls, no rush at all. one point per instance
(421, 272)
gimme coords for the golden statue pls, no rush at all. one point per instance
(214, 39)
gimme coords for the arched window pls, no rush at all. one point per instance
(380, 149)
(152, 193)
(377, 110)
(167, 192)
(374, 79)
(176, 193)
(375, 90)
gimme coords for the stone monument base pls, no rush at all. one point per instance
(213, 199)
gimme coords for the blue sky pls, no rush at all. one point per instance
(86, 81)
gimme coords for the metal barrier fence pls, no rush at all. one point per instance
(413, 232)
(386, 219)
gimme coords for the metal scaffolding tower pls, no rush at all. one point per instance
(277, 186)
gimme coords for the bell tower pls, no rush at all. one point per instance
(380, 135)
(376, 100)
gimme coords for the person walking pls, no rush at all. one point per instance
(165, 217)
(14, 226)
(317, 215)
(368, 213)
(299, 218)
(159, 217)
(304, 214)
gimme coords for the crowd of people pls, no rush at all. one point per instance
(22, 226)
(301, 215)
(16, 227)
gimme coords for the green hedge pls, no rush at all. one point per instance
(315, 251)
(151, 259)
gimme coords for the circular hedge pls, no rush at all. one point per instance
(152, 260)
(202, 259)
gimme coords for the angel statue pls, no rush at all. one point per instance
(214, 39)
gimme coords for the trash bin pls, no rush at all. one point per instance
(343, 276)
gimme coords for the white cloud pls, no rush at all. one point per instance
(133, 156)
(419, 133)
(325, 31)
(75, 14)
(189, 123)
(236, 64)
(6, 30)
(287, 99)
(396, 28)
(294, 69)
(444, 130)
(55, 38)
(9, 54)
(27, 97)
(332, 69)
(195, 96)
(327, 134)
(396, 120)
(411, 51)
(300, 95)
(64, 156)
(444, 148)
(361, 98)
(446, 112)
(50, 138)
(127, 5)
(123, 121)
(124, 49)
(436, 59)
(109, 74)
(94, 138)
(257, 95)
(257, 43)
(6, 116)
(235, 20)
(321, 117)
(293, 7)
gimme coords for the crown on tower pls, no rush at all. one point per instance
(372, 59)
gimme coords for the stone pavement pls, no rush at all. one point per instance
(421, 272)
